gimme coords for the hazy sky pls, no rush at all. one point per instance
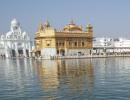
(110, 18)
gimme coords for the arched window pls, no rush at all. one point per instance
(75, 43)
(83, 44)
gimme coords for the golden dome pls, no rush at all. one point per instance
(89, 26)
(72, 27)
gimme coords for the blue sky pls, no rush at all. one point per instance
(110, 18)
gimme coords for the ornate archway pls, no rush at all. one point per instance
(13, 53)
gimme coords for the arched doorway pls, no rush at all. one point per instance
(62, 52)
(38, 53)
(20, 52)
(27, 52)
(57, 52)
(13, 53)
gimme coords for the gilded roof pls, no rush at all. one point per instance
(72, 27)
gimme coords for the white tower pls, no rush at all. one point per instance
(15, 26)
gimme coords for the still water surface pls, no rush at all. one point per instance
(71, 79)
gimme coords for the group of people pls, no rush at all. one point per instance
(3, 56)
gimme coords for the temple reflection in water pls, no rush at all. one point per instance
(66, 79)
(75, 74)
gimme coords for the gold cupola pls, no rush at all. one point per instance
(72, 27)
(89, 28)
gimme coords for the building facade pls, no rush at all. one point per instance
(70, 41)
(111, 46)
(15, 43)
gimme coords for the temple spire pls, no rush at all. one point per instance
(47, 24)
(89, 28)
(72, 21)
(40, 27)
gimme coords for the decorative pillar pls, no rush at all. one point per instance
(16, 50)
(59, 52)
(29, 49)
(77, 43)
(6, 52)
(66, 47)
(24, 52)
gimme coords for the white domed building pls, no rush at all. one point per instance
(15, 43)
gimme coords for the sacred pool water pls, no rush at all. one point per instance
(70, 79)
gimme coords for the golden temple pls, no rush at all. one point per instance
(72, 40)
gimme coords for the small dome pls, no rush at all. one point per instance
(8, 34)
(24, 34)
(72, 27)
(14, 22)
(89, 25)
(2, 36)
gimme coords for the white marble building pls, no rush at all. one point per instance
(15, 43)
(111, 45)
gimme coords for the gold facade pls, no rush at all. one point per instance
(71, 36)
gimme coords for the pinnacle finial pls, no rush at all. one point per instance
(89, 28)
(71, 21)
(47, 24)
(40, 27)
(89, 25)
